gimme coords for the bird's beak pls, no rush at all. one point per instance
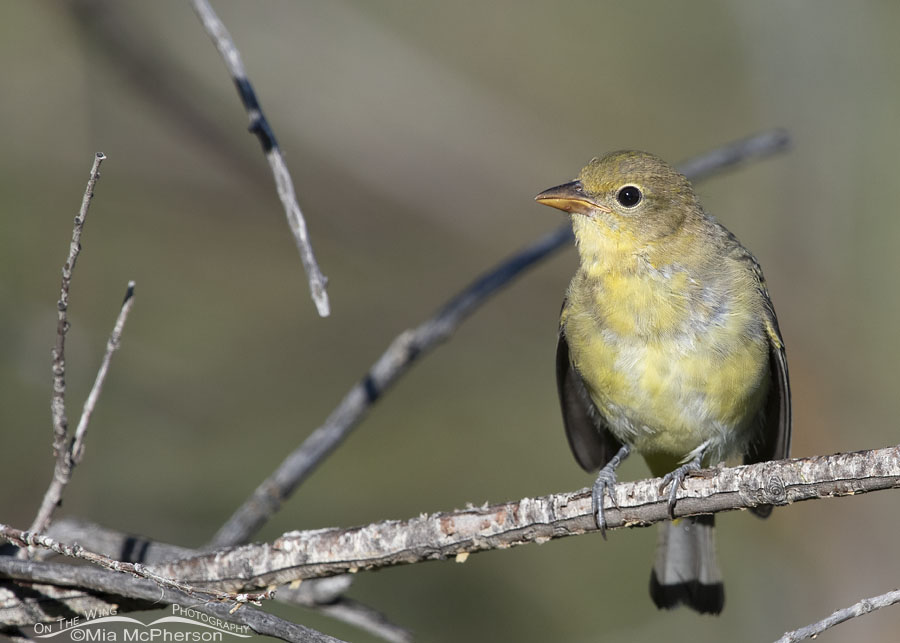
(570, 197)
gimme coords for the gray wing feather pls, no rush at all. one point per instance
(774, 443)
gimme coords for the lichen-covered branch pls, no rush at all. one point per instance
(457, 534)
(323, 552)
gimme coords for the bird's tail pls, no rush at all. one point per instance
(686, 570)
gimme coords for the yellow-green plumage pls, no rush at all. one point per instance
(668, 339)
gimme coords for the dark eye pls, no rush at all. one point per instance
(629, 196)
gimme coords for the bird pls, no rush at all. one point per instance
(668, 346)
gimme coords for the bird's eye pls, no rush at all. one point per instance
(629, 196)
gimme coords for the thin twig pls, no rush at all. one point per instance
(322, 552)
(367, 619)
(861, 608)
(733, 154)
(111, 346)
(412, 344)
(62, 470)
(38, 599)
(71, 454)
(58, 400)
(259, 126)
(27, 539)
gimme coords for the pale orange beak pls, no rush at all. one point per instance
(570, 197)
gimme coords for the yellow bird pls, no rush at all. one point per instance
(668, 345)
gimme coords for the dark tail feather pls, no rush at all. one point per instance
(686, 571)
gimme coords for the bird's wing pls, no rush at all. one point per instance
(774, 443)
(591, 442)
(776, 440)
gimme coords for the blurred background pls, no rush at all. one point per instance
(418, 134)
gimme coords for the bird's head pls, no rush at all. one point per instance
(625, 193)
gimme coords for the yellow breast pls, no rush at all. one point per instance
(674, 356)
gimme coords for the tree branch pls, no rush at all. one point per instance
(58, 400)
(733, 154)
(71, 455)
(111, 346)
(137, 549)
(259, 126)
(324, 595)
(40, 583)
(323, 552)
(410, 345)
(65, 460)
(861, 608)
(367, 619)
(26, 540)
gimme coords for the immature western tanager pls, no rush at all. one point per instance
(668, 345)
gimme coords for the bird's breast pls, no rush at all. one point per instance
(670, 358)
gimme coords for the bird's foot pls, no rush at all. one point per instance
(676, 479)
(606, 483)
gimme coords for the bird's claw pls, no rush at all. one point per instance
(606, 483)
(676, 479)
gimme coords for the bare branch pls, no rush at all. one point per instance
(70, 456)
(138, 549)
(35, 596)
(58, 400)
(111, 346)
(26, 539)
(62, 470)
(366, 618)
(732, 154)
(259, 126)
(413, 344)
(323, 552)
(321, 594)
(319, 553)
(25, 600)
(115, 544)
(861, 608)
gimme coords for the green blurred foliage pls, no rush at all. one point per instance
(418, 133)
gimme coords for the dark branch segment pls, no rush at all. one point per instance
(259, 124)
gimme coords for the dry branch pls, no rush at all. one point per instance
(259, 126)
(27, 540)
(410, 345)
(37, 591)
(367, 619)
(323, 552)
(137, 549)
(863, 607)
(65, 455)
(71, 455)
(312, 554)
(323, 594)
(112, 345)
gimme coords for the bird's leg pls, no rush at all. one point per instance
(606, 481)
(676, 477)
